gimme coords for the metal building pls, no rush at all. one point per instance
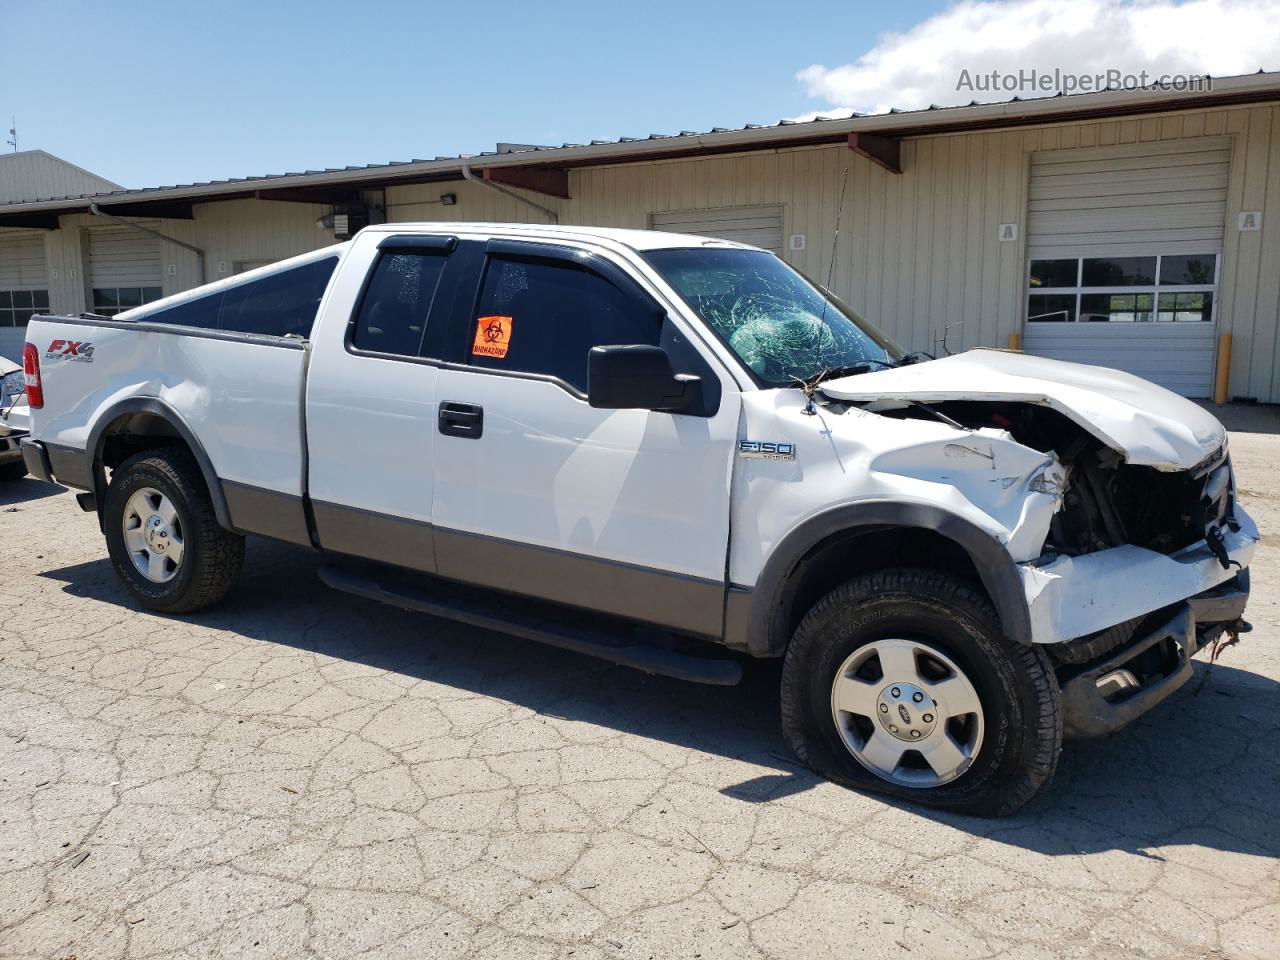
(24, 276)
(1138, 229)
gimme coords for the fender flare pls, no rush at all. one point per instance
(155, 407)
(753, 621)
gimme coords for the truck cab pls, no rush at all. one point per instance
(481, 455)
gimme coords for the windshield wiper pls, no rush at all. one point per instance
(918, 356)
(852, 370)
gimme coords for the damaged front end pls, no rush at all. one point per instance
(1140, 568)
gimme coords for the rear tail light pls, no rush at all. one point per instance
(31, 376)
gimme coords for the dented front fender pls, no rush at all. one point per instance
(1018, 489)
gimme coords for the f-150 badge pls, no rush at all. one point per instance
(766, 450)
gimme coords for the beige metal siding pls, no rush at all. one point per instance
(1164, 197)
(22, 262)
(22, 267)
(1249, 284)
(124, 257)
(1178, 356)
(757, 226)
(36, 175)
(243, 231)
(1140, 199)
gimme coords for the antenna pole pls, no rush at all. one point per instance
(13, 133)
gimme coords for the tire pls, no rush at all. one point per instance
(1000, 754)
(210, 558)
(13, 471)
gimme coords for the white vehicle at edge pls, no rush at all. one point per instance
(648, 444)
(14, 419)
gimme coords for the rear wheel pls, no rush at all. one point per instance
(902, 682)
(163, 537)
(13, 471)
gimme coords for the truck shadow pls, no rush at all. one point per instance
(26, 490)
(1202, 770)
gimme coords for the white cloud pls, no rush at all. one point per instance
(923, 65)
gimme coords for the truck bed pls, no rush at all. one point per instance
(238, 396)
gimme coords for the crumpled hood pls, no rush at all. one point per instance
(1149, 425)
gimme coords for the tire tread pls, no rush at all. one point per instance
(1036, 769)
(220, 553)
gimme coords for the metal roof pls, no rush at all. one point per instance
(1249, 88)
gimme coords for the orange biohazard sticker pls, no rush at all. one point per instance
(493, 337)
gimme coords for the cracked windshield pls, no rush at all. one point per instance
(775, 320)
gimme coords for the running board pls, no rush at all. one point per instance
(605, 638)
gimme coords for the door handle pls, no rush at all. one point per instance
(461, 420)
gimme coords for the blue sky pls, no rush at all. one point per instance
(149, 93)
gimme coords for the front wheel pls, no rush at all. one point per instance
(903, 682)
(163, 537)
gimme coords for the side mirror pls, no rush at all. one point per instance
(638, 377)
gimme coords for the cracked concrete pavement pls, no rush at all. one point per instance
(299, 773)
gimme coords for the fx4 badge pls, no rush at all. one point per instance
(766, 450)
(77, 350)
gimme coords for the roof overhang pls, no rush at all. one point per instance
(543, 169)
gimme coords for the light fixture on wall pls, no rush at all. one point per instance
(448, 199)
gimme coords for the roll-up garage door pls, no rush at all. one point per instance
(125, 269)
(1125, 247)
(24, 289)
(758, 226)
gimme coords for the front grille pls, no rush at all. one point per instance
(1109, 503)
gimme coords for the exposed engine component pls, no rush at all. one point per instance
(1107, 502)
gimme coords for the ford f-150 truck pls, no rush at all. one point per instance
(640, 445)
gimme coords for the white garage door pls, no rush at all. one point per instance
(125, 267)
(758, 226)
(24, 289)
(1124, 248)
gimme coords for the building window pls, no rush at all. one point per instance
(19, 306)
(108, 301)
(1172, 288)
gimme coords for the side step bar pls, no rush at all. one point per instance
(606, 639)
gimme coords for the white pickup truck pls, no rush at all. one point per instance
(640, 445)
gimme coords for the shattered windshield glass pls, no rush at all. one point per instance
(776, 321)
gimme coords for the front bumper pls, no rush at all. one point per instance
(1075, 596)
(1093, 709)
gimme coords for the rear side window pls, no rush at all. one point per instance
(544, 318)
(202, 313)
(393, 312)
(277, 305)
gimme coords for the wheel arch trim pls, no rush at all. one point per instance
(158, 408)
(753, 615)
